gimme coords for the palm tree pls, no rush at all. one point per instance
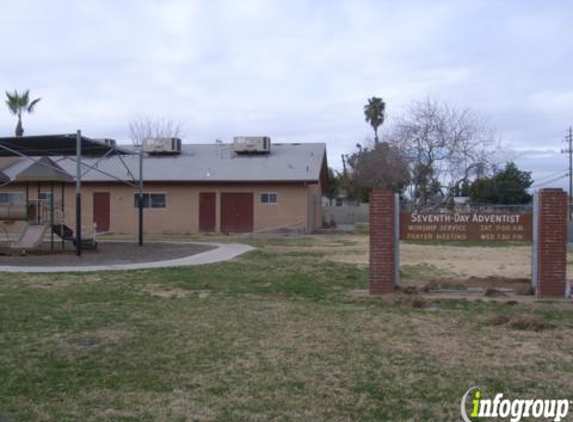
(20, 103)
(374, 112)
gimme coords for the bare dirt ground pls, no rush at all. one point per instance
(455, 261)
(506, 266)
(107, 253)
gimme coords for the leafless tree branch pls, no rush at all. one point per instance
(445, 146)
(144, 127)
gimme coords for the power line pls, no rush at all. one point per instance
(549, 176)
(548, 182)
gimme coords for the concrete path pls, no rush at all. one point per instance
(222, 252)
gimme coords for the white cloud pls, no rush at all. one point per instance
(298, 70)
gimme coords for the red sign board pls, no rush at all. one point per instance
(470, 226)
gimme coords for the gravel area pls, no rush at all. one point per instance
(107, 253)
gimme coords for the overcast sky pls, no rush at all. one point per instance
(298, 71)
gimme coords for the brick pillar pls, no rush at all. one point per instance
(382, 241)
(550, 244)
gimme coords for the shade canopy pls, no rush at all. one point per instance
(58, 145)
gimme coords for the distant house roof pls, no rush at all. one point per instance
(205, 163)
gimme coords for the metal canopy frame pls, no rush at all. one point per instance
(67, 146)
(58, 145)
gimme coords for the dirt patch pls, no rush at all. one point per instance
(470, 294)
(521, 322)
(493, 283)
(107, 253)
(530, 323)
(497, 320)
(411, 300)
(493, 292)
(504, 262)
(166, 292)
(102, 337)
(512, 261)
(117, 414)
(409, 290)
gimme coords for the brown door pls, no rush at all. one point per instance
(207, 209)
(101, 211)
(236, 212)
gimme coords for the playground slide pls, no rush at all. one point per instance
(66, 233)
(31, 236)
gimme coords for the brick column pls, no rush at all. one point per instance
(382, 241)
(550, 244)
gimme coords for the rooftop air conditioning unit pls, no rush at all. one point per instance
(108, 142)
(162, 145)
(252, 144)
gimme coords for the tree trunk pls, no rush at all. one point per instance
(19, 128)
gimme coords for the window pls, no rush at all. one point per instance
(45, 196)
(152, 200)
(269, 198)
(12, 198)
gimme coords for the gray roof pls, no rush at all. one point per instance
(43, 170)
(205, 163)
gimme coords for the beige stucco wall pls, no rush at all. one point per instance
(298, 207)
(314, 212)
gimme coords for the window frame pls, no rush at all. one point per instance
(12, 195)
(269, 195)
(44, 196)
(148, 202)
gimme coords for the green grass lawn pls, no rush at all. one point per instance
(271, 336)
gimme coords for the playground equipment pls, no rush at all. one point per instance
(67, 234)
(31, 236)
(13, 212)
(41, 216)
(44, 152)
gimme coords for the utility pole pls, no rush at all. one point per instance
(569, 150)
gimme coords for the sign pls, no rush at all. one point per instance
(462, 226)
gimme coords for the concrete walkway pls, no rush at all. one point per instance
(222, 252)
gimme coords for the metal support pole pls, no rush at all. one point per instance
(27, 202)
(534, 244)
(51, 216)
(570, 201)
(62, 211)
(569, 151)
(78, 193)
(39, 212)
(397, 239)
(140, 199)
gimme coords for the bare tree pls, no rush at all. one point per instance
(144, 127)
(445, 145)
